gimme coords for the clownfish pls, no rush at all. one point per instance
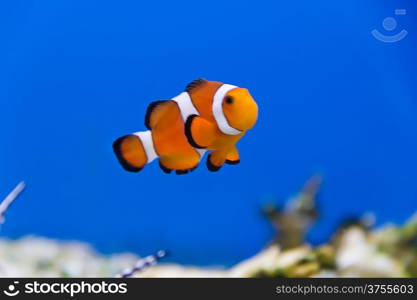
(207, 116)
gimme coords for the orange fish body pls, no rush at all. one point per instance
(208, 116)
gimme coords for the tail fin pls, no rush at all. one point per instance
(134, 151)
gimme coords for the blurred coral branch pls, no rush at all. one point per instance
(293, 222)
(143, 264)
(4, 206)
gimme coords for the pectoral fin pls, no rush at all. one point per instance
(200, 133)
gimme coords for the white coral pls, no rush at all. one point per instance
(357, 256)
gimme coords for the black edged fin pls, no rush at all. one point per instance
(188, 134)
(164, 169)
(195, 83)
(117, 148)
(186, 171)
(232, 162)
(149, 111)
(181, 172)
(210, 166)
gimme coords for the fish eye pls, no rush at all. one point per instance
(229, 100)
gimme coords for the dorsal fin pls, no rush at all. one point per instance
(152, 106)
(195, 83)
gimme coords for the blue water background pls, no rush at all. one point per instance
(75, 75)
